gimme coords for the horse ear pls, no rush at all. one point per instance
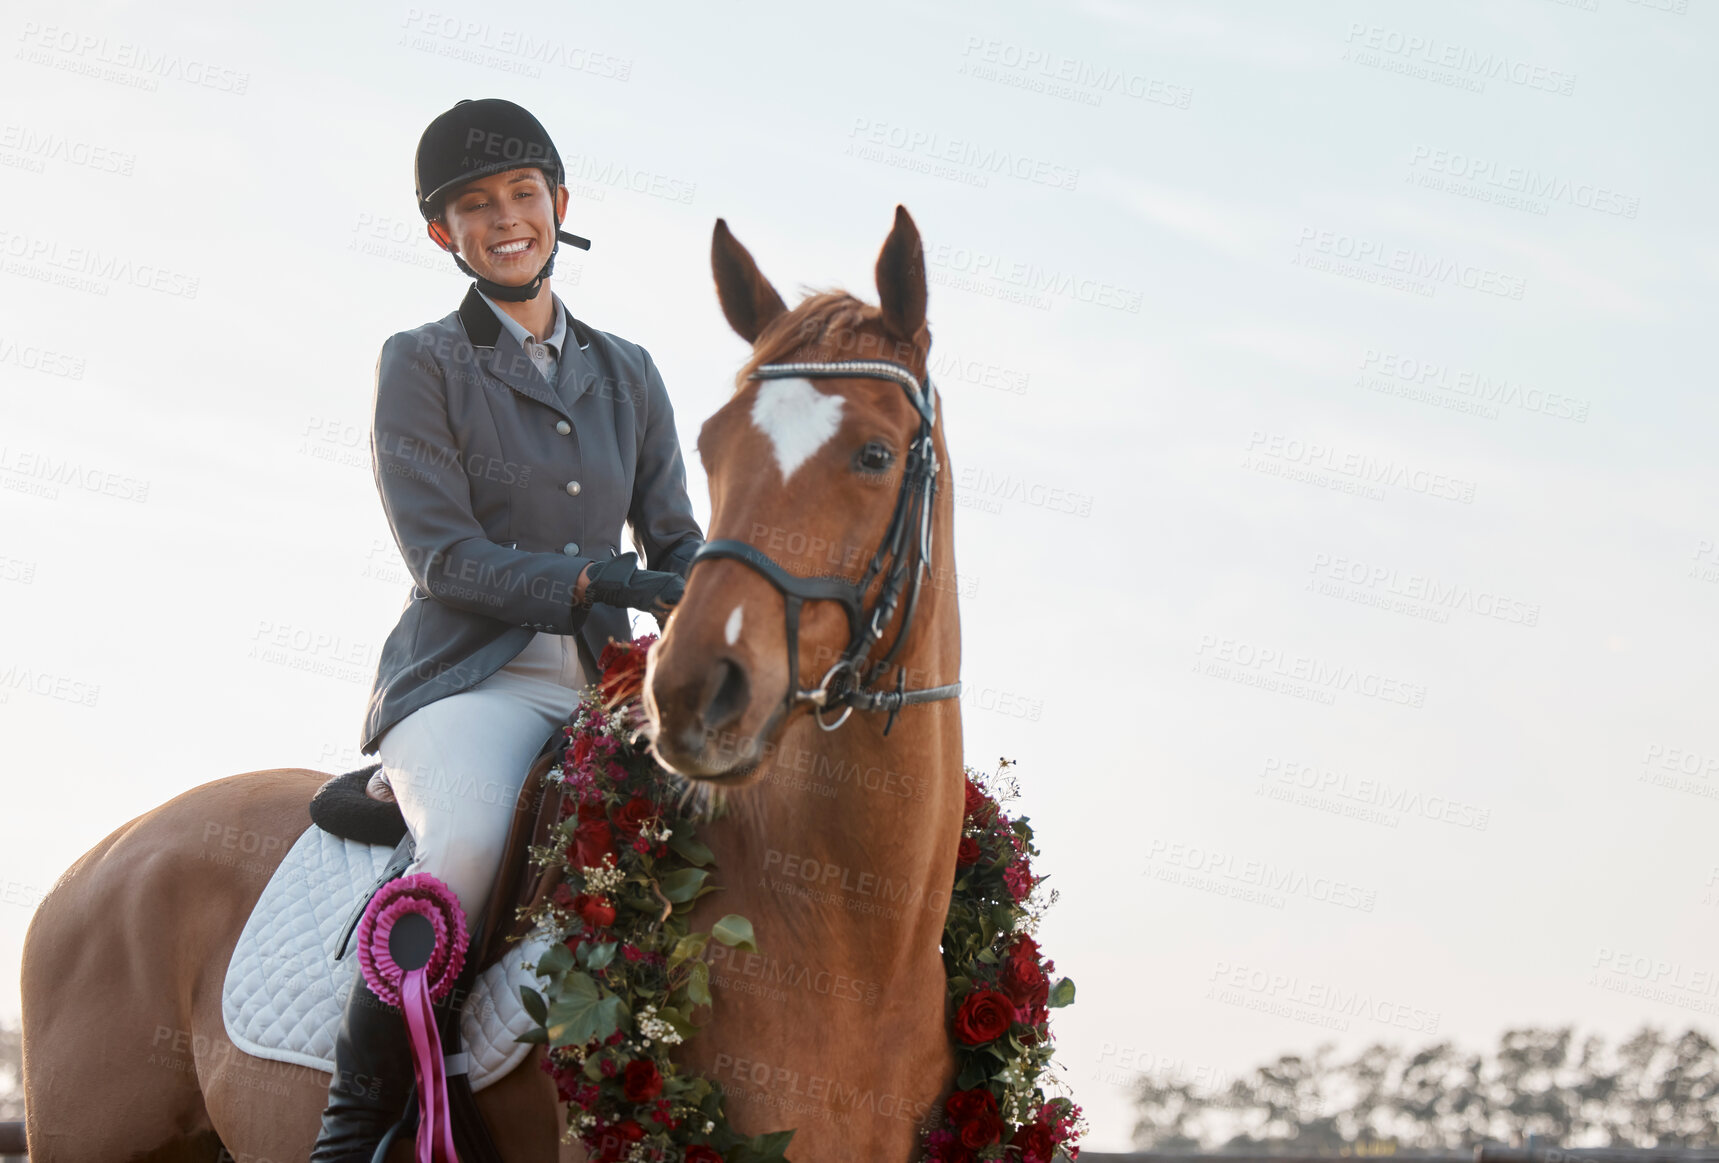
(901, 278)
(748, 300)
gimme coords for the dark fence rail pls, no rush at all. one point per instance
(1487, 1153)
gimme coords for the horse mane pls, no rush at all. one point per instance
(810, 323)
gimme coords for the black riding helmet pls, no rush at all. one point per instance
(475, 139)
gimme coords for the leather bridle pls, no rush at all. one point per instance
(901, 560)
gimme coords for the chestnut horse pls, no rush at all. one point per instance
(839, 847)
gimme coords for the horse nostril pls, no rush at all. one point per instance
(728, 693)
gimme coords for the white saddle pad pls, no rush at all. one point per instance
(284, 991)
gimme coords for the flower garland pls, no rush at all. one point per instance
(624, 972)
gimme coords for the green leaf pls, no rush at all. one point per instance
(698, 987)
(774, 1145)
(556, 960)
(972, 1074)
(735, 931)
(690, 848)
(683, 884)
(534, 1004)
(583, 1013)
(688, 947)
(534, 1035)
(599, 956)
(1061, 994)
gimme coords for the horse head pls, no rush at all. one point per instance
(809, 474)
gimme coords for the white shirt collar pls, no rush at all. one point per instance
(517, 329)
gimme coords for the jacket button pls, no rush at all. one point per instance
(571, 549)
(572, 488)
(563, 427)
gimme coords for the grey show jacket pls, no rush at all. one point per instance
(500, 489)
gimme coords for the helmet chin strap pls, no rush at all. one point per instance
(519, 294)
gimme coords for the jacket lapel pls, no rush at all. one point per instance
(571, 369)
(499, 351)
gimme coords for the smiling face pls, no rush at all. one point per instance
(502, 225)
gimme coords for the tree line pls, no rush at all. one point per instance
(1651, 1090)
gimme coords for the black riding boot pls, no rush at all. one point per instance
(372, 1079)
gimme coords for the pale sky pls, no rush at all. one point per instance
(1331, 428)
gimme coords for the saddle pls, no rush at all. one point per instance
(344, 807)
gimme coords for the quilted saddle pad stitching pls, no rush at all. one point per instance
(283, 993)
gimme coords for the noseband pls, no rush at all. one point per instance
(899, 561)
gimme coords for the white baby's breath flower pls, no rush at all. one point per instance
(604, 878)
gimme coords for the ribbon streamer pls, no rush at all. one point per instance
(415, 989)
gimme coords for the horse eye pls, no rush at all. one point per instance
(874, 457)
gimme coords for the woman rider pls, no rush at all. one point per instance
(510, 443)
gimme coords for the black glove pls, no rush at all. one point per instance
(620, 582)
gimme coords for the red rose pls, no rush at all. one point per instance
(974, 1113)
(968, 853)
(986, 1014)
(1024, 979)
(591, 842)
(976, 799)
(580, 753)
(641, 1081)
(615, 1143)
(1035, 1143)
(699, 1153)
(630, 820)
(623, 666)
(595, 911)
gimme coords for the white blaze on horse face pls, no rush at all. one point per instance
(797, 418)
(732, 630)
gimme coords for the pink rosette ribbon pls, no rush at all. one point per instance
(404, 917)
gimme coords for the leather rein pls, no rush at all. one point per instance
(901, 560)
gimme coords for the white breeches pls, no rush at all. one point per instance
(456, 765)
